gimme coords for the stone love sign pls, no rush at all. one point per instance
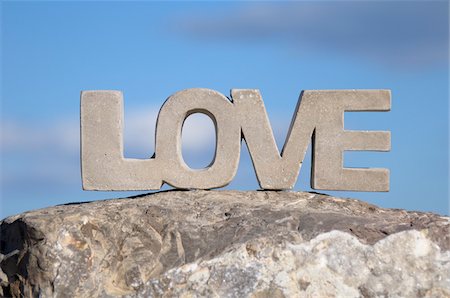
(318, 118)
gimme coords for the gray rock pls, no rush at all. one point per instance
(225, 244)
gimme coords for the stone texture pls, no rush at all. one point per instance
(104, 167)
(318, 117)
(169, 125)
(225, 244)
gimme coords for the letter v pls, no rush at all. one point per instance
(273, 170)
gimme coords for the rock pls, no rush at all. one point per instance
(225, 244)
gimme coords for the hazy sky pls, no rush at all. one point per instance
(149, 50)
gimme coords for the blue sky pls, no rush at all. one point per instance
(149, 50)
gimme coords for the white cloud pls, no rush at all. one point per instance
(61, 136)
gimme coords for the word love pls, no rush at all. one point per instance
(318, 118)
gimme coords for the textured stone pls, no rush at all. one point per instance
(104, 167)
(225, 244)
(168, 139)
(319, 117)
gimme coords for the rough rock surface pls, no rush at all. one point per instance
(225, 244)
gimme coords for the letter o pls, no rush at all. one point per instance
(169, 125)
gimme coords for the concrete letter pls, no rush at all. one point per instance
(331, 140)
(319, 114)
(103, 166)
(168, 139)
(274, 170)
